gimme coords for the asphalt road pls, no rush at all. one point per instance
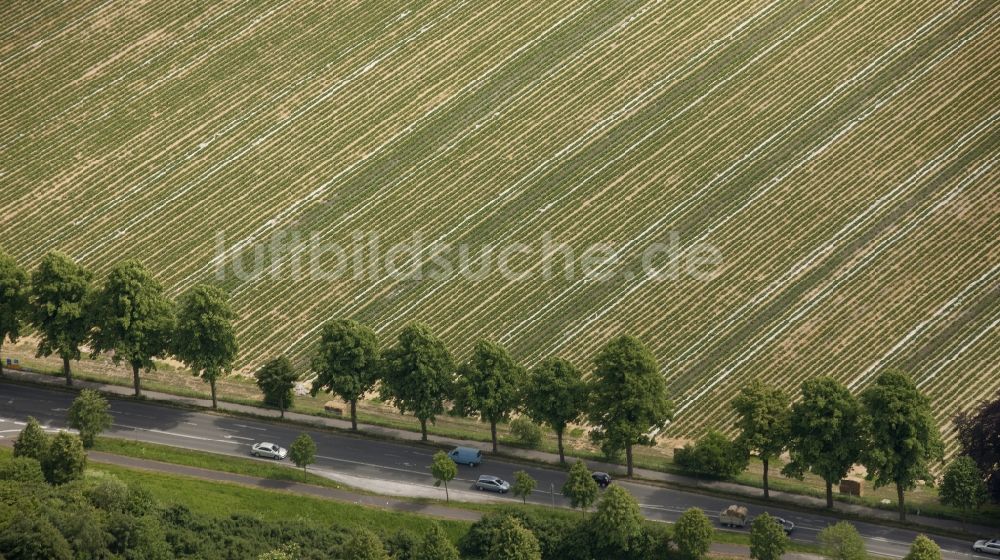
(400, 462)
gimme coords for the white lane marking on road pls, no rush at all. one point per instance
(176, 434)
(238, 437)
(252, 427)
(189, 423)
(59, 409)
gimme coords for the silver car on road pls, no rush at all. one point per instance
(991, 546)
(268, 449)
(492, 483)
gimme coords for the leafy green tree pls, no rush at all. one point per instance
(60, 299)
(417, 376)
(556, 394)
(205, 340)
(32, 537)
(89, 414)
(364, 545)
(713, 455)
(923, 548)
(768, 540)
(618, 521)
(904, 435)
(826, 432)
(763, 422)
(25, 470)
(979, 435)
(629, 397)
(303, 452)
(693, 534)
(134, 319)
(524, 485)
(14, 309)
(580, 487)
(65, 459)
(489, 385)
(32, 442)
(276, 379)
(444, 470)
(347, 362)
(842, 542)
(962, 485)
(513, 541)
(435, 545)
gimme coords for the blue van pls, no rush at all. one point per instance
(466, 456)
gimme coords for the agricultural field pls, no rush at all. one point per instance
(836, 159)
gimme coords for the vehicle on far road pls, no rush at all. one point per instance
(733, 516)
(466, 456)
(492, 483)
(991, 546)
(787, 525)
(268, 449)
(602, 479)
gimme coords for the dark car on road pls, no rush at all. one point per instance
(602, 479)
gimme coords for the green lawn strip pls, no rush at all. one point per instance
(210, 461)
(221, 499)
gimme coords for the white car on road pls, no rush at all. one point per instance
(991, 546)
(267, 449)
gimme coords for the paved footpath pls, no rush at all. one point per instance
(516, 452)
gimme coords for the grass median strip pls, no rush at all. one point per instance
(210, 461)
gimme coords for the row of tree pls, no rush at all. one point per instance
(625, 399)
(889, 428)
(127, 317)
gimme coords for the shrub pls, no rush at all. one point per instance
(526, 432)
(714, 455)
(65, 459)
(923, 548)
(842, 542)
(768, 540)
(22, 469)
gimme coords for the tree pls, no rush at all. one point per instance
(287, 551)
(713, 455)
(134, 320)
(14, 290)
(303, 452)
(32, 537)
(693, 534)
(417, 376)
(364, 545)
(768, 540)
(89, 415)
(629, 397)
(826, 432)
(904, 435)
(556, 394)
(979, 435)
(580, 487)
(842, 542)
(923, 548)
(513, 541)
(60, 299)
(32, 442)
(276, 379)
(444, 470)
(524, 485)
(435, 545)
(65, 459)
(763, 422)
(962, 485)
(347, 362)
(489, 385)
(205, 340)
(618, 520)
